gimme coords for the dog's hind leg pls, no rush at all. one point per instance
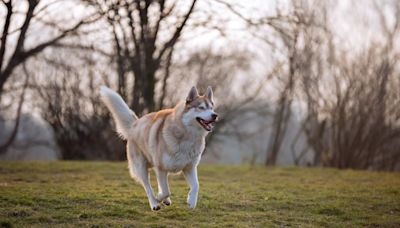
(163, 188)
(139, 171)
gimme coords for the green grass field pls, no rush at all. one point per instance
(101, 194)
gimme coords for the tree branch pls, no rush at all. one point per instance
(7, 144)
(166, 76)
(177, 33)
(5, 31)
(24, 28)
(20, 56)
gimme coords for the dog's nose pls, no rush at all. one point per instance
(214, 116)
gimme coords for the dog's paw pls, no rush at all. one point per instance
(155, 205)
(167, 201)
(191, 206)
(191, 203)
(192, 200)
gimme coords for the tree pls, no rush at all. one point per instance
(18, 51)
(21, 53)
(142, 46)
(352, 109)
(70, 103)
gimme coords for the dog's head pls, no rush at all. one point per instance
(199, 110)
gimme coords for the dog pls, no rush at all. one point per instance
(168, 141)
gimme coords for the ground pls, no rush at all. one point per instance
(101, 194)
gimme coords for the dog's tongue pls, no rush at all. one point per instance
(207, 124)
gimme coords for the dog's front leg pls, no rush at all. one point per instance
(190, 174)
(163, 188)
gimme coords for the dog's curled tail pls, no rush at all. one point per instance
(122, 115)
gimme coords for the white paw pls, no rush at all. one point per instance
(167, 201)
(192, 201)
(155, 206)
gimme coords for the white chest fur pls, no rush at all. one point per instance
(182, 153)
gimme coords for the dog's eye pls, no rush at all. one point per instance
(201, 108)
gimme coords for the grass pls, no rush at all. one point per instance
(101, 194)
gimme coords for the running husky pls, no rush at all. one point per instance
(169, 141)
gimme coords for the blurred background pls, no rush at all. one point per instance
(311, 83)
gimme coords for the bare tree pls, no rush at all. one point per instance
(352, 109)
(20, 53)
(291, 30)
(10, 140)
(142, 47)
(69, 102)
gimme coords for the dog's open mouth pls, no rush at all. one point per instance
(207, 125)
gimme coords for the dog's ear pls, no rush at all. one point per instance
(209, 94)
(192, 95)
